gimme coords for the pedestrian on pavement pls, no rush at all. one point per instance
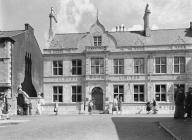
(115, 105)
(179, 98)
(120, 105)
(56, 108)
(148, 107)
(154, 105)
(30, 108)
(188, 103)
(90, 107)
(38, 108)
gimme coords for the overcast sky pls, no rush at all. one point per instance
(78, 15)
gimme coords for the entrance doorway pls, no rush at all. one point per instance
(97, 97)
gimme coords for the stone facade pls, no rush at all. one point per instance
(166, 63)
(20, 64)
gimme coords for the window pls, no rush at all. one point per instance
(97, 40)
(76, 67)
(76, 93)
(179, 64)
(160, 65)
(119, 91)
(57, 68)
(160, 92)
(139, 93)
(118, 66)
(57, 94)
(139, 65)
(97, 66)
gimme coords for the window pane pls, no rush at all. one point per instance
(142, 88)
(93, 70)
(97, 69)
(163, 68)
(96, 61)
(102, 70)
(73, 62)
(121, 70)
(73, 89)
(115, 70)
(157, 96)
(136, 97)
(73, 98)
(121, 89)
(182, 68)
(60, 71)
(182, 60)
(142, 97)
(121, 62)
(136, 69)
(79, 98)
(176, 68)
(102, 62)
(121, 96)
(115, 89)
(54, 90)
(79, 70)
(163, 97)
(157, 88)
(54, 71)
(78, 62)
(60, 98)
(136, 62)
(163, 88)
(163, 60)
(78, 89)
(157, 60)
(157, 68)
(54, 98)
(115, 62)
(54, 63)
(136, 89)
(176, 60)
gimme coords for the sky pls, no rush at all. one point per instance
(78, 15)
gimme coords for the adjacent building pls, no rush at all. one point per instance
(137, 66)
(20, 66)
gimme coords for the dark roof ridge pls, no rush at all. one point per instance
(69, 33)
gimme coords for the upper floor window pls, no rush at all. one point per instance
(97, 40)
(76, 67)
(97, 66)
(57, 94)
(160, 92)
(57, 67)
(76, 93)
(160, 65)
(139, 93)
(118, 66)
(179, 64)
(119, 91)
(139, 65)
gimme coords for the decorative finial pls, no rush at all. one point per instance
(147, 8)
(97, 15)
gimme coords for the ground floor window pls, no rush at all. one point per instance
(160, 92)
(76, 93)
(139, 93)
(57, 94)
(119, 91)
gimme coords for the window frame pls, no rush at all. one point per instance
(118, 93)
(97, 41)
(140, 66)
(179, 64)
(76, 94)
(57, 67)
(76, 67)
(100, 67)
(139, 93)
(160, 65)
(118, 66)
(160, 92)
(57, 94)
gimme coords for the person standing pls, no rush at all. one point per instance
(90, 107)
(154, 106)
(179, 98)
(115, 105)
(38, 108)
(148, 107)
(56, 108)
(188, 103)
(120, 105)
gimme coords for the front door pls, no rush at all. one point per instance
(97, 97)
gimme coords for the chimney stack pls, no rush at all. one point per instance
(146, 21)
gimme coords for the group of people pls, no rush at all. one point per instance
(117, 105)
(151, 106)
(183, 103)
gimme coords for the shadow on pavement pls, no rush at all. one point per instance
(129, 128)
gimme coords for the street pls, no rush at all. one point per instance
(84, 127)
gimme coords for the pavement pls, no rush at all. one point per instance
(96, 126)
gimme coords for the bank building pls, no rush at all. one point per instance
(138, 66)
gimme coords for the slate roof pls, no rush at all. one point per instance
(131, 38)
(10, 34)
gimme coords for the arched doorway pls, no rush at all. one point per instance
(97, 97)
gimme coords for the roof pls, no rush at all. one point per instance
(131, 38)
(10, 34)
